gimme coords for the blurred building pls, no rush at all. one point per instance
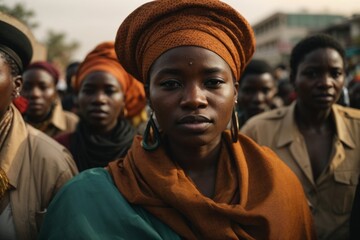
(39, 50)
(277, 34)
(347, 33)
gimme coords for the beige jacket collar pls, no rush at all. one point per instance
(58, 118)
(289, 130)
(13, 153)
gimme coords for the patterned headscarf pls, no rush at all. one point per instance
(158, 26)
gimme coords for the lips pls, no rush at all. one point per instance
(194, 123)
(97, 113)
(324, 97)
(193, 119)
(35, 105)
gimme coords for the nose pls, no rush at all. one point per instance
(193, 97)
(258, 97)
(34, 92)
(325, 81)
(99, 97)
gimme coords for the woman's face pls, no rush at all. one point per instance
(320, 79)
(39, 88)
(101, 100)
(256, 93)
(192, 93)
(6, 87)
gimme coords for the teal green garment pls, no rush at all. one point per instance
(90, 207)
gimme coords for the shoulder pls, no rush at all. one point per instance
(64, 139)
(90, 206)
(347, 112)
(71, 120)
(271, 115)
(93, 186)
(95, 178)
(41, 142)
(262, 157)
(266, 120)
(71, 116)
(48, 154)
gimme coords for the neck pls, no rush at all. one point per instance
(102, 130)
(195, 158)
(317, 120)
(39, 119)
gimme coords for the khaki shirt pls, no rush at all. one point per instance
(331, 195)
(37, 167)
(61, 121)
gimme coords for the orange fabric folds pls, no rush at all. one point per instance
(103, 58)
(158, 26)
(256, 194)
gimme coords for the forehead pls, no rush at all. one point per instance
(187, 56)
(100, 78)
(38, 75)
(261, 79)
(4, 65)
(321, 56)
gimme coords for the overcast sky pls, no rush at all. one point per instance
(91, 22)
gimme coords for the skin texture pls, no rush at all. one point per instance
(256, 93)
(192, 93)
(101, 101)
(9, 85)
(318, 82)
(40, 89)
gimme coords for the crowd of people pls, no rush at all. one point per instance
(173, 130)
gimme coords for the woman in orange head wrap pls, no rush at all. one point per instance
(106, 93)
(192, 179)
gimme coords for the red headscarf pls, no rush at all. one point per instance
(46, 66)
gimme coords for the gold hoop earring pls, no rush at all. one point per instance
(151, 138)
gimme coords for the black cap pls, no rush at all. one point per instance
(15, 43)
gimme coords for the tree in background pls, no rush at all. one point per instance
(60, 51)
(20, 12)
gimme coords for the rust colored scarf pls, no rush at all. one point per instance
(256, 195)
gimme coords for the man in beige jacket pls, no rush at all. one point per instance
(33, 167)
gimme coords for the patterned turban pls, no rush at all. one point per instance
(158, 26)
(103, 58)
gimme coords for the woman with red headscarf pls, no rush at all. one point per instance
(187, 177)
(44, 110)
(107, 98)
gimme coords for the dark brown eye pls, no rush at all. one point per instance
(336, 73)
(213, 83)
(170, 84)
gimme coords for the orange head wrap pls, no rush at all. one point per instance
(158, 26)
(103, 58)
